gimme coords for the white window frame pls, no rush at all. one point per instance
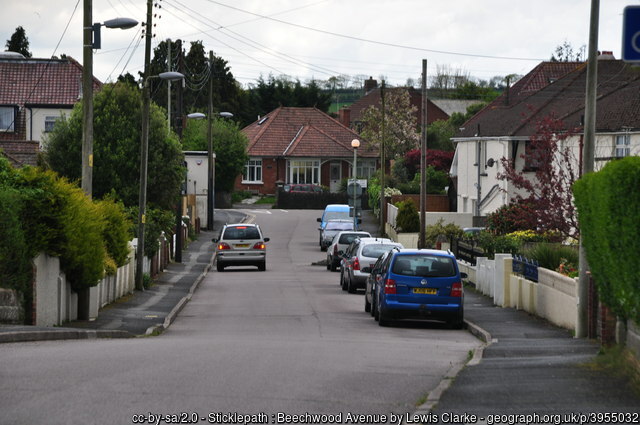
(7, 119)
(50, 121)
(252, 171)
(622, 145)
(365, 168)
(303, 171)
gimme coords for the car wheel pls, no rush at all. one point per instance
(332, 266)
(351, 287)
(328, 264)
(457, 322)
(220, 267)
(373, 305)
(262, 266)
(383, 320)
(367, 304)
(343, 282)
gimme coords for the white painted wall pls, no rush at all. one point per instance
(36, 118)
(197, 183)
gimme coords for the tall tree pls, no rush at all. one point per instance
(400, 124)
(229, 144)
(117, 129)
(565, 53)
(19, 43)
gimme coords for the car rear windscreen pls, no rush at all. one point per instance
(424, 266)
(339, 225)
(375, 250)
(241, 233)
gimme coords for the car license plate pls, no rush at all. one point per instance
(428, 291)
(242, 245)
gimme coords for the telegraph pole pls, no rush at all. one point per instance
(210, 169)
(87, 99)
(144, 148)
(423, 160)
(382, 163)
(588, 159)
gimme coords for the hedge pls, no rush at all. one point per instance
(608, 204)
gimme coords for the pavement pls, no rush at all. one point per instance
(525, 366)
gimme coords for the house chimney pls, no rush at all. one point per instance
(606, 55)
(344, 116)
(370, 84)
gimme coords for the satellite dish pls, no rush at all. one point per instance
(490, 162)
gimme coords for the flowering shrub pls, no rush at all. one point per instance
(519, 215)
(566, 268)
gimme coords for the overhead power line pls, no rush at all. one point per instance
(365, 40)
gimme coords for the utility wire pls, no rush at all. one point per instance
(382, 43)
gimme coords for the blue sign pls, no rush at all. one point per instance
(631, 34)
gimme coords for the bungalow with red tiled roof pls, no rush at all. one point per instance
(352, 115)
(34, 93)
(503, 128)
(302, 145)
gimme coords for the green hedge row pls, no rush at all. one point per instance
(608, 204)
(41, 212)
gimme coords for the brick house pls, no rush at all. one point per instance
(33, 94)
(352, 116)
(302, 145)
(503, 128)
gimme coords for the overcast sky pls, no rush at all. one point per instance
(318, 39)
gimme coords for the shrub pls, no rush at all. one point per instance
(15, 261)
(550, 255)
(158, 221)
(117, 230)
(519, 215)
(498, 244)
(608, 203)
(450, 230)
(408, 219)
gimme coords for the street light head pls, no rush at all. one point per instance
(171, 76)
(355, 143)
(196, 116)
(226, 114)
(122, 23)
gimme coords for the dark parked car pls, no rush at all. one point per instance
(241, 245)
(420, 284)
(302, 188)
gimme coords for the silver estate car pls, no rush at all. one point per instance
(241, 245)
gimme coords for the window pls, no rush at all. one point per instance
(304, 171)
(531, 157)
(365, 168)
(252, 171)
(49, 122)
(622, 145)
(7, 118)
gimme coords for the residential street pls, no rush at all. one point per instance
(287, 340)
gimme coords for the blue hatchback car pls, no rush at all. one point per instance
(420, 284)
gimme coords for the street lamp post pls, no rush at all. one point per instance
(211, 163)
(355, 144)
(91, 40)
(144, 154)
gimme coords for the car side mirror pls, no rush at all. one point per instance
(214, 240)
(267, 239)
(319, 220)
(463, 275)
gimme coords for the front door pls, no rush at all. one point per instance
(335, 175)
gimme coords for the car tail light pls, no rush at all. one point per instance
(356, 264)
(390, 286)
(259, 245)
(456, 289)
(223, 246)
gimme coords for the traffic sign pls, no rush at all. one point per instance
(631, 34)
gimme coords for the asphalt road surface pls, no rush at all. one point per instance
(286, 341)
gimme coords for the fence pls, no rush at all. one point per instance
(467, 250)
(525, 267)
